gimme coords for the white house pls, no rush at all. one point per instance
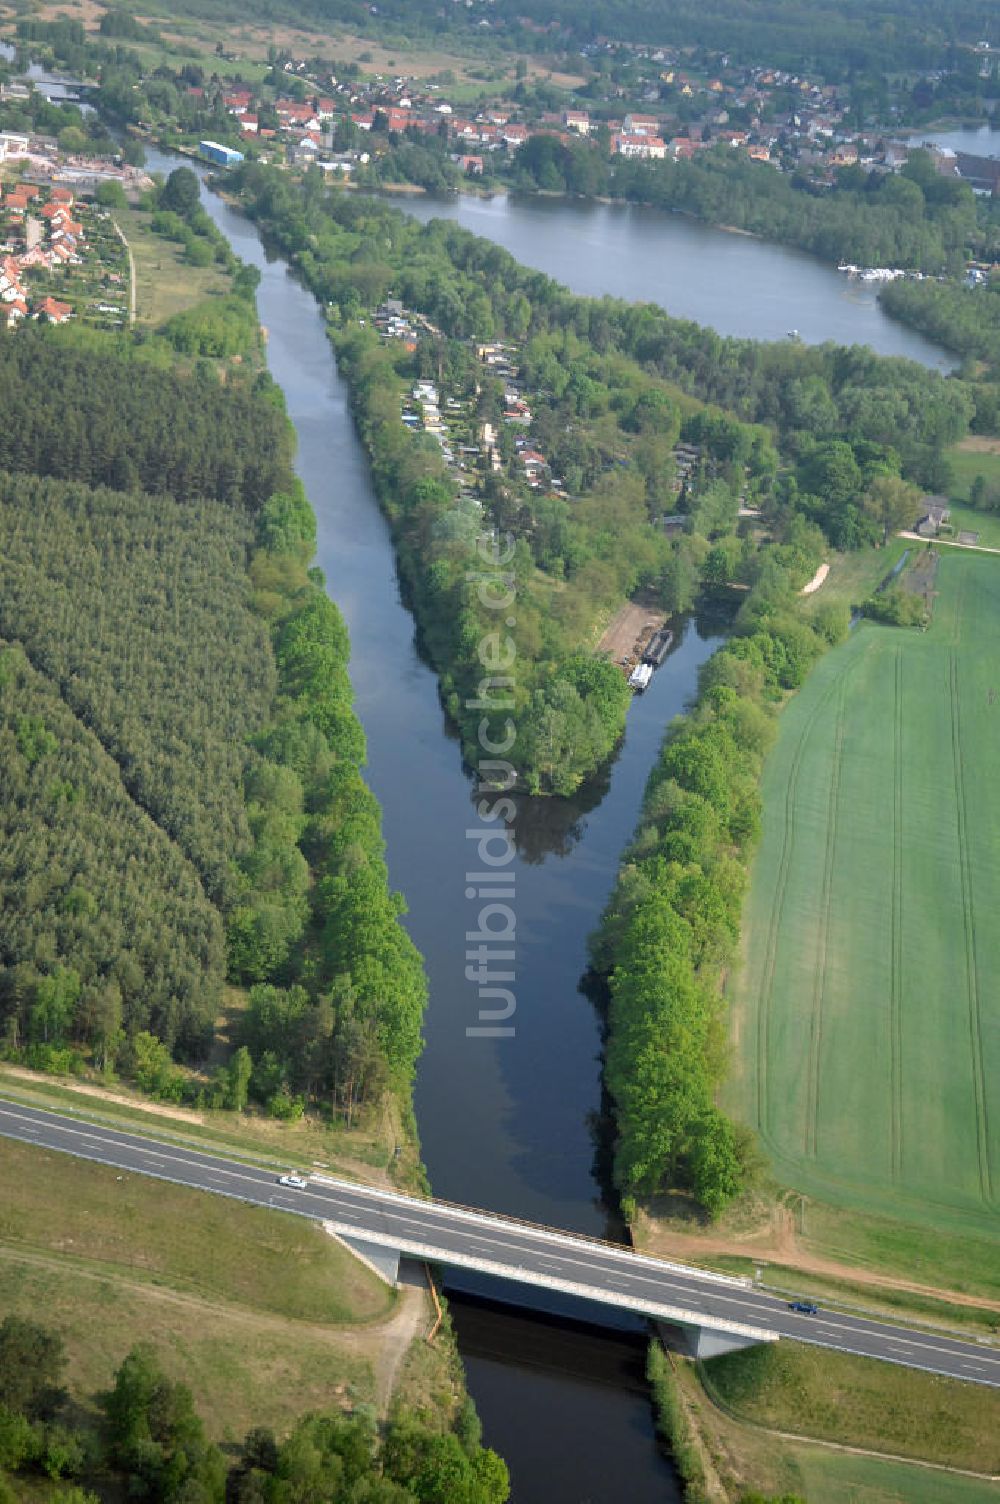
(12, 145)
(640, 147)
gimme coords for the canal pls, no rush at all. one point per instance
(510, 1123)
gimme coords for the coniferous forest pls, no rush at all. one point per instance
(180, 786)
(95, 415)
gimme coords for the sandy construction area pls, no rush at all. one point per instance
(629, 631)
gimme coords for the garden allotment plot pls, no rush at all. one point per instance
(870, 999)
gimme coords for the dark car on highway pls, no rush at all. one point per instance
(804, 1307)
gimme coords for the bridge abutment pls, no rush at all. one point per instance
(381, 1260)
(705, 1341)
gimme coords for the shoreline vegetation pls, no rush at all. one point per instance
(174, 458)
(941, 210)
(916, 220)
(670, 932)
(664, 962)
(190, 844)
(612, 388)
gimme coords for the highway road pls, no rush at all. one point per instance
(479, 1240)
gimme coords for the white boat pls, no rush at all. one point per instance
(640, 676)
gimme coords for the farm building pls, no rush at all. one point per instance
(936, 517)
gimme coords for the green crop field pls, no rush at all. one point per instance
(867, 1012)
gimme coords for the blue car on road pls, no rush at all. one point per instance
(804, 1307)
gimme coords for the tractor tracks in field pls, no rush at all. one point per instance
(969, 925)
(778, 905)
(896, 963)
(823, 932)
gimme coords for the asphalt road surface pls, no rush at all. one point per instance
(537, 1256)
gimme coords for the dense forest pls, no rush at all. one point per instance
(613, 386)
(81, 415)
(184, 801)
(965, 319)
(103, 922)
(137, 611)
(144, 1439)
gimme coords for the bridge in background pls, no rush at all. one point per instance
(716, 1312)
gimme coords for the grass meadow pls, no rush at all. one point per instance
(867, 1011)
(164, 283)
(754, 1419)
(261, 1313)
(840, 1398)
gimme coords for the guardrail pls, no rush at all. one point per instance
(502, 1218)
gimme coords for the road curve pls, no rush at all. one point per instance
(537, 1256)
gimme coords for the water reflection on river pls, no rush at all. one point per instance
(504, 1123)
(508, 1123)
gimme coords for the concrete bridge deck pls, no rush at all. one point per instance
(718, 1311)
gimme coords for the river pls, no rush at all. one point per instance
(504, 1123)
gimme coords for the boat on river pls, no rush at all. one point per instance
(640, 676)
(658, 647)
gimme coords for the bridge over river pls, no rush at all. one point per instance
(716, 1312)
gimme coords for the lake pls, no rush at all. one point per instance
(729, 281)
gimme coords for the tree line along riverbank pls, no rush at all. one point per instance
(820, 446)
(917, 219)
(229, 762)
(189, 844)
(610, 388)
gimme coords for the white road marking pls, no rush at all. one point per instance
(510, 1243)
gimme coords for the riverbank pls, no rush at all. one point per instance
(740, 285)
(601, 1434)
(849, 222)
(664, 957)
(842, 224)
(513, 1095)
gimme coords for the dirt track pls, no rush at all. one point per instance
(777, 1242)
